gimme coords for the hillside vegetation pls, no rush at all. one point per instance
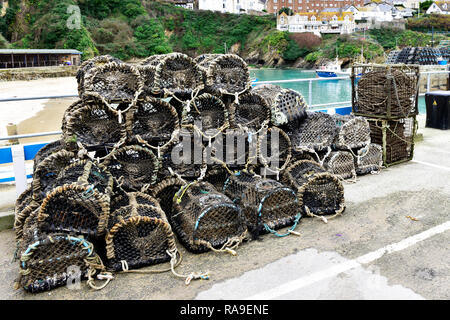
(134, 29)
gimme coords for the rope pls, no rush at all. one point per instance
(339, 212)
(189, 277)
(289, 232)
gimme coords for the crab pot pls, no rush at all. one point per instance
(74, 106)
(133, 167)
(266, 203)
(90, 65)
(286, 105)
(152, 121)
(385, 91)
(47, 171)
(148, 73)
(47, 150)
(341, 164)
(95, 126)
(165, 191)
(47, 263)
(217, 177)
(251, 113)
(396, 138)
(115, 82)
(369, 159)
(352, 132)
(226, 74)
(175, 74)
(123, 199)
(274, 150)
(319, 191)
(138, 233)
(30, 231)
(25, 205)
(315, 133)
(205, 218)
(203, 59)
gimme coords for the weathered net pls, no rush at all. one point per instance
(88, 66)
(74, 106)
(93, 127)
(217, 177)
(251, 112)
(352, 132)
(133, 166)
(138, 233)
(52, 260)
(24, 207)
(341, 164)
(386, 90)
(274, 150)
(206, 219)
(206, 113)
(47, 150)
(369, 159)
(148, 73)
(47, 171)
(286, 105)
(153, 122)
(29, 232)
(165, 192)
(315, 133)
(396, 138)
(115, 83)
(226, 74)
(318, 191)
(266, 203)
(202, 59)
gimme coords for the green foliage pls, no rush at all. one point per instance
(277, 41)
(3, 43)
(313, 56)
(425, 5)
(288, 11)
(151, 39)
(293, 51)
(389, 38)
(425, 23)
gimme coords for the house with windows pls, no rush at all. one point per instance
(326, 21)
(439, 7)
(232, 6)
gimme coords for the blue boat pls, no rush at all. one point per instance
(331, 70)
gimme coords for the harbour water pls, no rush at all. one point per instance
(323, 92)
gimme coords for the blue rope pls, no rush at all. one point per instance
(297, 219)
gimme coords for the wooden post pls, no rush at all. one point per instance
(11, 130)
(12, 60)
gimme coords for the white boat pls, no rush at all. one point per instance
(331, 70)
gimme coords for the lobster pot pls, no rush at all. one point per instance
(386, 91)
(206, 113)
(352, 132)
(93, 127)
(133, 167)
(203, 59)
(226, 74)
(177, 74)
(25, 206)
(47, 171)
(74, 106)
(52, 260)
(138, 233)
(148, 73)
(206, 219)
(251, 113)
(153, 122)
(165, 191)
(286, 105)
(315, 133)
(369, 159)
(274, 150)
(217, 177)
(47, 150)
(318, 191)
(90, 65)
(341, 164)
(115, 82)
(123, 199)
(267, 204)
(30, 232)
(396, 138)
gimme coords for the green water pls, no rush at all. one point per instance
(323, 92)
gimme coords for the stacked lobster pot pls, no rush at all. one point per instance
(171, 148)
(387, 96)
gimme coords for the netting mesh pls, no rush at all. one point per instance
(134, 167)
(47, 150)
(47, 263)
(286, 105)
(139, 234)
(148, 73)
(165, 192)
(115, 82)
(386, 90)
(153, 122)
(205, 218)
(274, 150)
(206, 112)
(94, 126)
(341, 164)
(369, 159)
(74, 106)
(265, 202)
(25, 205)
(88, 66)
(46, 173)
(226, 74)
(316, 132)
(352, 132)
(318, 191)
(251, 113)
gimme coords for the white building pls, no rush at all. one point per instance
(439, 8)
(232, 6)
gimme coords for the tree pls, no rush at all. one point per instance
(288, 11)
(425, 5)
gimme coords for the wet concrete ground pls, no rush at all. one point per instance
(325, 261)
